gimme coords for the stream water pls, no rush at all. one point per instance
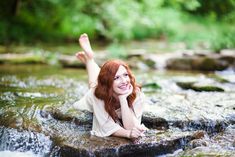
(28, 92)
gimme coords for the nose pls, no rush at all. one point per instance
(124, 79)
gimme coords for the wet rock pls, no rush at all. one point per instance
(13, 120)
(226, 138)
(78, 117)
(21, 58)
(199, 139)
(185, 85)
(209, 64)
(198, 143)
(136, 54)
(228, 52)
(140, 61)
(194, 110)
(211, 127)
(179, 63)
(152, 121)
(199, 134)
(204, 62)
(208, 88)
(153, 144)
(70, 61)
(231, 117)
(220, 79)
(137, 63)
(228, 55)
(44, 114)
(200, 87)
(151, 85)
(150, 63)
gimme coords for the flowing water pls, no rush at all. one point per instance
(28, 93)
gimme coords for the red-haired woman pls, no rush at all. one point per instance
(114, 97)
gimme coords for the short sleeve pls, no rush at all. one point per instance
(138, 105)
(85, 103)
(103, 124)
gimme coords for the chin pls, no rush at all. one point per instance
(122, 92)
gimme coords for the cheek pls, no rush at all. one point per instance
(115, 85)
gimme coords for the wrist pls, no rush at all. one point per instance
(129, 134)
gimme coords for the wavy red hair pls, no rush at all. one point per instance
(104, 88)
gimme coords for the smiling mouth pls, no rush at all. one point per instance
(123, 86)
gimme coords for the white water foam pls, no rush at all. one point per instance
(18, 154)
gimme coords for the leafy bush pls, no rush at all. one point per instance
(190, 21)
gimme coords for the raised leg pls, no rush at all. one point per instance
(87, 57)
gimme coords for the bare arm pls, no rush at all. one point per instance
(87, 57)
(128, 117)
(133, 133)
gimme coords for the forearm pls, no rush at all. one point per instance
(122, 133)
(128, 117)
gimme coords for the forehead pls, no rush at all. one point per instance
(121, 70)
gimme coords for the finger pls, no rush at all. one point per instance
(131, 87)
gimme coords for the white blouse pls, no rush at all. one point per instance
(103, 125)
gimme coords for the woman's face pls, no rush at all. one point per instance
(121, 83)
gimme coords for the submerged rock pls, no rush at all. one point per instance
(204, 62)
(200, 87)
(152, 121)
(153, 144)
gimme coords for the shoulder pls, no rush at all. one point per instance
(91, 94)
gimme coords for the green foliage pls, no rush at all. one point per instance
(184, 5)
(115, 50)
(190, 21)
(223, 39)
(217, 8)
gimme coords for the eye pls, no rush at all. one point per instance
(116, 77)
(126, 74)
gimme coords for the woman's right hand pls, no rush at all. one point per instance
(135, 133)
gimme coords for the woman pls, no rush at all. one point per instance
(114, 97)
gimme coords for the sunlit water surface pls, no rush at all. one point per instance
(27, 91)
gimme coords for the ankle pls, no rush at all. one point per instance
(88, 61)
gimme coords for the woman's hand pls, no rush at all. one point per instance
(124, 96)
(135, 133)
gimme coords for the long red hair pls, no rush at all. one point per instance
(104, 88)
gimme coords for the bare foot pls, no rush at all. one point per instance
(85, 44)
(81, 56)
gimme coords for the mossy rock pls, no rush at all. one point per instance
(208, 64)
(185, 85)
(21, 59)
(199, 88)
(150, 63)
(151, 85)
(219, 78)
(70, 61)
(179, 64)
(207, 88)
